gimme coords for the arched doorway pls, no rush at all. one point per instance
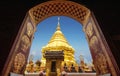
(102, 57)
(75, 37)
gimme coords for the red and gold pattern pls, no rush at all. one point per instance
(101, 64)
(89, 29)
(19, 62)
(25, 43)
(30, 29)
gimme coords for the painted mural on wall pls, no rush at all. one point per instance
(22, 52)
(94, 45)
(30, 29)
(101, 63)
(99, 57)
(89, 29)
(19, 62)
(25, 43)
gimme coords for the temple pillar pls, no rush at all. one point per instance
(48, 63)
(59, 62)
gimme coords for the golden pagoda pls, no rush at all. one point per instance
(58, 42)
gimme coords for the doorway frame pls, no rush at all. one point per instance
(60, 8)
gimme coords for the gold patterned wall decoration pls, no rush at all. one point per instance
(99, 58)
(96, 49)
(25, 43)
(19, 62)
(30, 29)
(101, 64)
(89, 29)
(94, 44)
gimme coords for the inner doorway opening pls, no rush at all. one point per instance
(75, 37)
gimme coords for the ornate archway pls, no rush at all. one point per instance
(102, 58)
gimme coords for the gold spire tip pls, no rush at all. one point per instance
(58, 27)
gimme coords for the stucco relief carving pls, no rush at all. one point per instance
(89, 29)
(101, 64)
(30, 29)
(94, 44)
(25, 43)
(19, 62)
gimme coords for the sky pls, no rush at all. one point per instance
(72, 31)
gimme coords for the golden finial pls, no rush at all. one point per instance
(58, 27)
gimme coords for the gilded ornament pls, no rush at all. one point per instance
(101, 64)
(30, 29)
(94, 43)
(19, 62)
(89, 29)
(25, 43)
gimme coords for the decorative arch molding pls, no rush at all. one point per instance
(66, 8)
(102, 57)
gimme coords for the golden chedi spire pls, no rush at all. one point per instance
(58, 37)
(58, 42)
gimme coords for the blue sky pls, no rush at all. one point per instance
(71, 29)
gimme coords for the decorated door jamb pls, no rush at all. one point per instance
(102, 57)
